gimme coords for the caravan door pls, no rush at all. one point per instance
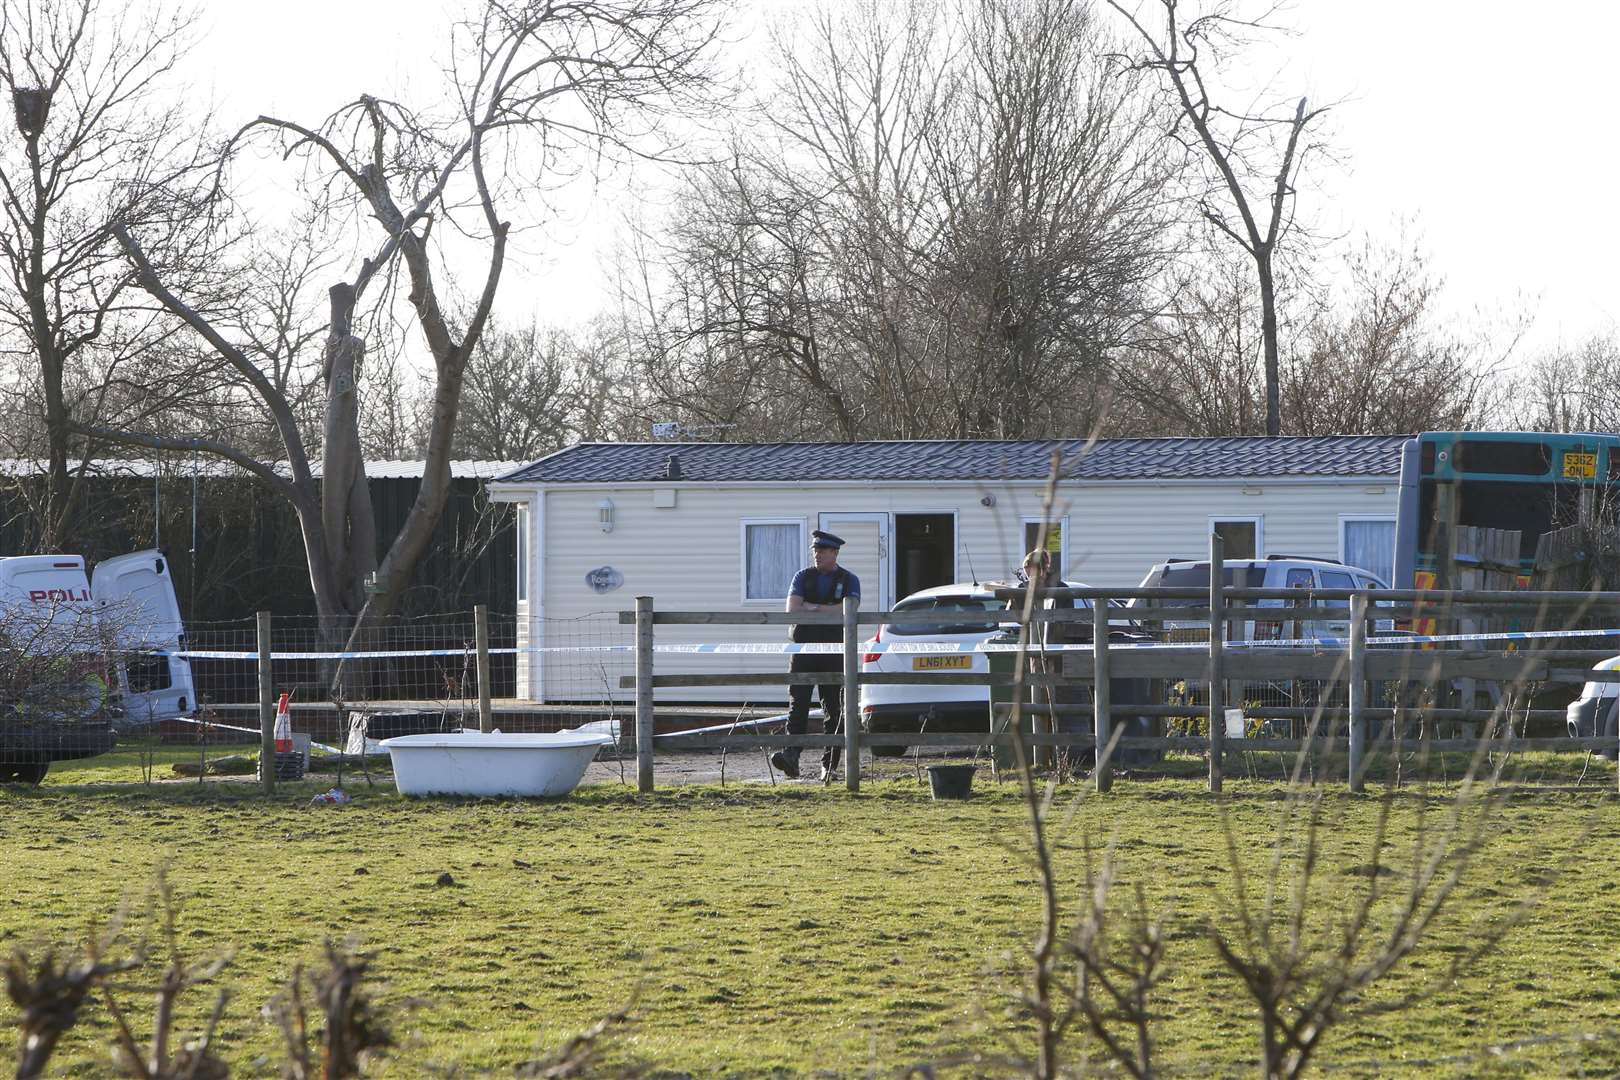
(865, 553)
(135, 596)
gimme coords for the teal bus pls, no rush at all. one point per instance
(1527, 481)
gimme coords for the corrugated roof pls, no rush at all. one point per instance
(459, 469)
(213, 466)
(968, 459)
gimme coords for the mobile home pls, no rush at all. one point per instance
(724, 526)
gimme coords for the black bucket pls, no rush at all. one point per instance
(951, 781)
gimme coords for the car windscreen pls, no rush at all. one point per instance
(1196, 576)
(944, 605)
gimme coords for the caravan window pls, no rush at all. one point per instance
(1368, 544)
(522, 552)
(1240, 537)
(773, 551)
(1053, 542)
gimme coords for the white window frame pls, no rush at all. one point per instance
(742, 550)
(1259, 521)
(1063, 544)
(524, 542)
(1345, 519)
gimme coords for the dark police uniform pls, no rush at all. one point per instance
(818, 588)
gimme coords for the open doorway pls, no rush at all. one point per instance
(925, 552)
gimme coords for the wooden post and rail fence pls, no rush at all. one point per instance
(1356, 662)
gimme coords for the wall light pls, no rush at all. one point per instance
(604, 515)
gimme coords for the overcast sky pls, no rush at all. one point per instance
(1482, 128)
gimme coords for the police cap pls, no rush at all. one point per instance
(826, 540)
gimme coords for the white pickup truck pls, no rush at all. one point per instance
(125, 606)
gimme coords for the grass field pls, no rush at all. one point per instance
(779, 931)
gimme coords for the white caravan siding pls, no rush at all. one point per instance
(689, 556)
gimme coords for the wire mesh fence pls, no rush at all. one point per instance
(578, 660)
(347, 689)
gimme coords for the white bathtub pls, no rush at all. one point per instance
(475, 764)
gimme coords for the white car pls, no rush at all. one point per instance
(1593, 714)
(938, 706)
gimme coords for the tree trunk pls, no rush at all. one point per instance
(53, 529)
(348, 531)
(1268, 333)
(417, 532)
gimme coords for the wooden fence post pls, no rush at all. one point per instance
(1358, 690)
(486, 722)
(1100, 700)
(1217, 660)
(644, 694)
(852, 696)
(267, 709)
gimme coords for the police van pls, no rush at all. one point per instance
(113, 632)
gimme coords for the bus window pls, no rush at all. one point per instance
(1501, 456)
(1502, 504)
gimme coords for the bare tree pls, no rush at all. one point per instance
(1053, 216)
(1196, 369)
(1568, 388)
(99, 144)
(535, 85)
(742, 338)
(391, 409)
(1372, 359)
(950, 215)
(1240, 148)
(523, 396)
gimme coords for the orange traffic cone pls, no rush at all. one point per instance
(283, 730)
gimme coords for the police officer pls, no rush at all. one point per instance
(819, 587)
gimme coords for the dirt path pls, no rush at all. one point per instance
(741, 767)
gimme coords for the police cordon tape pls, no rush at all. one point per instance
(832, 648)
(215, 725)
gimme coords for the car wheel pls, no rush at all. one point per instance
(31, 773)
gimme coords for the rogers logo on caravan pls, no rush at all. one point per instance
(61, 596)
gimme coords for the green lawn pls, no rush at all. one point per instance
(776, 931)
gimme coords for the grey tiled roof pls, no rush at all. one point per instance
(968, 459)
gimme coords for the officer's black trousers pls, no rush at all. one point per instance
(832, 700)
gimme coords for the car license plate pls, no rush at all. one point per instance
(941, 663)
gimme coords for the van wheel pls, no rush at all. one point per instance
(31, 773)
